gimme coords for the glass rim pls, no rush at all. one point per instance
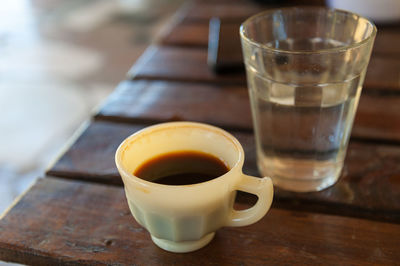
(320, 51)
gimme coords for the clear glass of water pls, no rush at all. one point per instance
(305, 69)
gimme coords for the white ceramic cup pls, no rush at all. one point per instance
(185, 218)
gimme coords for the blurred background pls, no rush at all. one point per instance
(58, 61)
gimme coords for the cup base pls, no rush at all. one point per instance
(183, 246)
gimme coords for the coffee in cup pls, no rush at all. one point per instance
(181, 179)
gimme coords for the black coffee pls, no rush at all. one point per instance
(181, 168)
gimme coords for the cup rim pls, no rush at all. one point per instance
(320, 51)
(162, 126)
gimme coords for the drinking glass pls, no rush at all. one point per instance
(305, 69)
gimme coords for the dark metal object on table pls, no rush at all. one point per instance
(224, 51)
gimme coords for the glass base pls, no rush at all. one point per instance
(183, 246)
(300, 175)
(304, 185)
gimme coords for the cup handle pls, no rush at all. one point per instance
(263, 189)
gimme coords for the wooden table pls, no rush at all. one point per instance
(77, 213)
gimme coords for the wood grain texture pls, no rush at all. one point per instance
(383, 73)
(185, 34)
(369, 186)
(138, 101)
(180, 64)
(158, 101)
(203, 12)
(378, 117)
(190, 65)
(69, 222)
(387, 42)
(91, 156)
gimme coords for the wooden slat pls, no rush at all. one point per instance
(383, 74)
(185, 34)
(158, 101)
(203, 12)
(91, 157)
(369, 186)
(377, 116)
(387, 42)
(64, 222)
(190, 65)
(180, 64)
